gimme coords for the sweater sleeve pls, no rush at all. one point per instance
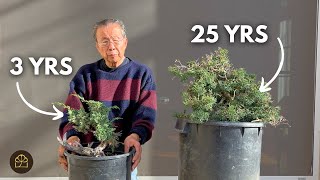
(77, 86)
(145, 114)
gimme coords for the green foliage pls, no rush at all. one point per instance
(95, 120)
(217, 91)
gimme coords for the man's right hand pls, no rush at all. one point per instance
(62, 158)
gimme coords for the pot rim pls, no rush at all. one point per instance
(228, 123)
(102, 158)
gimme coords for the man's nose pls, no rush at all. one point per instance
(111, 46)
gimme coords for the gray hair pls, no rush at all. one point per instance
(105, 22)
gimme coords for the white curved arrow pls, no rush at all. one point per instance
(58, 114)
(265, 88)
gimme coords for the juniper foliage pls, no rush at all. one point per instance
(215, 90)
(94, 120)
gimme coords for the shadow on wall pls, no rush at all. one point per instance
(36, 134)
(171, 40)
(159, 32)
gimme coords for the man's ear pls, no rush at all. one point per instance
(126, 41)
(97, 45)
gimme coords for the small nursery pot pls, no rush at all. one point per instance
(115, 167)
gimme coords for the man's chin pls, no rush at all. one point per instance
(113, 61)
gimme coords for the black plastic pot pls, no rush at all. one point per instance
(116, 167)
(219, 150)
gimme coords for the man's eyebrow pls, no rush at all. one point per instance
(103, 39)
(112, 37)
(116, 37)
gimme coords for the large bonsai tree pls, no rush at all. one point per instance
(217, 91)
(95, 120)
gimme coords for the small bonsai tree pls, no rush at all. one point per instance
(217, 91)
(94, 120)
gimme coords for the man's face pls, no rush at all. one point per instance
(111, 44)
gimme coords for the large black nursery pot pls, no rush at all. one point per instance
(219, 150)
(115, 167)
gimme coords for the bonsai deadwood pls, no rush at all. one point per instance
(217, 91)
(94, 119)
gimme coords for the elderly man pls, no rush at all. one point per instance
(114, 80)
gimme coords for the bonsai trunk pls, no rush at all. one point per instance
(85, 151)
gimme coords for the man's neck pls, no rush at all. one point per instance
(114, 65)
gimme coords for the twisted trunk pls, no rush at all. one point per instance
(85, 151)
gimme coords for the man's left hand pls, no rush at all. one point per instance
(133, 141)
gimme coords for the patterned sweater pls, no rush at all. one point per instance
(131, 87)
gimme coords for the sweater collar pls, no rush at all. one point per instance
(104, 67)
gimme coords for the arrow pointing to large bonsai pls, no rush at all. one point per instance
(58, 114)
(265, 88)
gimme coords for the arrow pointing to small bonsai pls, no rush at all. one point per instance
(58, 114)
(265, 88)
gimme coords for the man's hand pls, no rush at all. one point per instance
(62, 158)
(133, 141)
